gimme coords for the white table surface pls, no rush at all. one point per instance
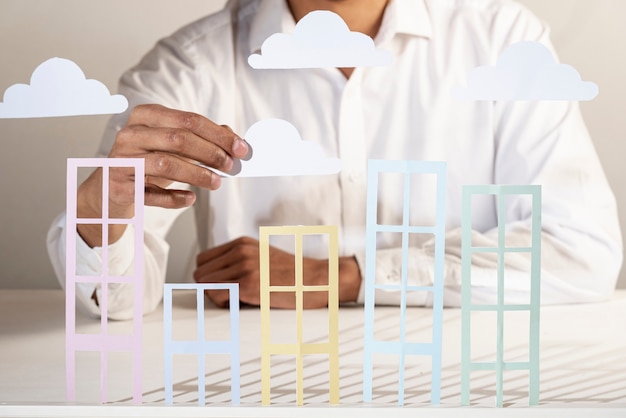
(583, 364)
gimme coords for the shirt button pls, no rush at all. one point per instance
(354, 176)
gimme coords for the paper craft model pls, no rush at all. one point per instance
(104, 342)
(320, 39)
(526, 70)
(58, 87)
(403, 348)
(300, 348)
(499, 366)
(297, 157)
(202, 346)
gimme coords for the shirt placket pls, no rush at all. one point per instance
(352, 151)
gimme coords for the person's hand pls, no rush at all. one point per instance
(238, 262)
(173, 144)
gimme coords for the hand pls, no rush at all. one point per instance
(172, 143)
(238, 262)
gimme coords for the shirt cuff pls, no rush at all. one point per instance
(89, 263)
(121, 256)
(389, 271)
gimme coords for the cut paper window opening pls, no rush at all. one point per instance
(320, 39)
(403, 347)
(58, 87)
(526, 71)
(278, 150)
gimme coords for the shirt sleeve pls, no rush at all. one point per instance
(89, 261)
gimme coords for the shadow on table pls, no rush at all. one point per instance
(283, 388)
(575, 374)
(581, 373)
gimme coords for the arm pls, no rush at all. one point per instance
(238, 261)
(542, 143)
(172, 142)
(89, 263)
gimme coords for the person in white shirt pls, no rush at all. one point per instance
(196, 85)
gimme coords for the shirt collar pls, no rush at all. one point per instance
(272, 16)
(409, 17)
(401, 16)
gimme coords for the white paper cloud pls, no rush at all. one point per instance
(320, 39)
(278, 150)
(58, 87)
(526, 71)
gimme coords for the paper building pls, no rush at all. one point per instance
(501, 192)
(103, 342)
(402, 348)
(300, 348)
(202, 346)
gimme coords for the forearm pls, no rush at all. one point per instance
(89, 206)
(576, 267)
(89, 262)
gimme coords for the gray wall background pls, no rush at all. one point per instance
(105, 37)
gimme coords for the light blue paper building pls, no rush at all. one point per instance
(501, 192)
(402, 348)
(201, 346)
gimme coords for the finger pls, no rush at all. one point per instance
(238, 264)
(157, 116)
(221, 298)
(169, 199)
(226, 274)
(249, 153)
(157, 181)
(220, 250)
(168, 166)
(140, 139)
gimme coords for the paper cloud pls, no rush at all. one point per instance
(320, 39)
(526, 71)
(278, 150)
(58, 87)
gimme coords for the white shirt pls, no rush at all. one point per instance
(400, 112)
